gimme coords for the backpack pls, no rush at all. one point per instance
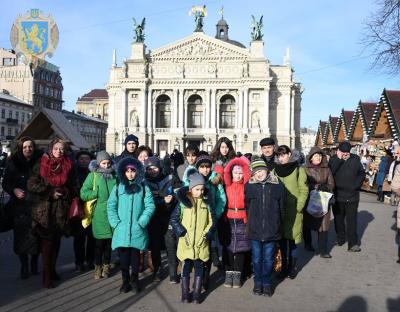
(395, 185)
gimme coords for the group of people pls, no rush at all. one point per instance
(246, 206)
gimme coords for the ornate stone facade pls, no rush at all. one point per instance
(198, 89)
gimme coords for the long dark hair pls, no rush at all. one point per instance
(216, 154)
(17, 152)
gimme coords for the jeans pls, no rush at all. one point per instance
(346, 211)
(188, 265)
(263, 261)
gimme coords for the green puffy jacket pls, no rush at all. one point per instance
(100, 225)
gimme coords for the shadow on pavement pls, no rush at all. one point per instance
(354, 303)
(393, 304)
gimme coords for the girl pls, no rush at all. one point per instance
(223, 152)
(233, 231)
(192, 221)
(52, 186)
(102, 177)
(294, 179)
(130, 208)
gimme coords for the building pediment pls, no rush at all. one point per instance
(199, 46)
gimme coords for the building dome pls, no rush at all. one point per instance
(222, 33)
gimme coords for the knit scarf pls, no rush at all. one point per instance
(107, 174)
(284, 170)
(55, 170)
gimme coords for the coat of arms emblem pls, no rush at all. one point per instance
(34, 36)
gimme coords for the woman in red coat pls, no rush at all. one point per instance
(233, 233)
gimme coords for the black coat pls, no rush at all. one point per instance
(16, 175)
(265, 205)
(270, 162)
(349, 175)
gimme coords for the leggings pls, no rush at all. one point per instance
(188, 265)
(103, 251)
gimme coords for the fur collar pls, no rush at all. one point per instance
(183, 198)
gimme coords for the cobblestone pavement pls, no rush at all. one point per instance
(357, 282)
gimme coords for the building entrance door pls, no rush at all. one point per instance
(162, 148)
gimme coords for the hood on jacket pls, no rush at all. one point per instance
(271, 178)
(93, 166)
(315, 150)
(182, 196)
(239, 161)
(121, 170)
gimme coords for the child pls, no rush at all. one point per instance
(102, 179)
(162, 184)
(192, 221)
(130, 208)
(264, 200)
(214, 186)
(192, 151)
(233, 225)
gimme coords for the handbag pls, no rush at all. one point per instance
(318, 204)
(386, 187)
(6, 214)
(278, 259)
(88, 207)
(75, 209)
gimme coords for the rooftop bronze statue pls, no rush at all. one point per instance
(256, 33)
(139, 29)
(199, 13)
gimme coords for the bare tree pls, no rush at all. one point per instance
(382, 36)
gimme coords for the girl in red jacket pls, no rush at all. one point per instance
(234, 238)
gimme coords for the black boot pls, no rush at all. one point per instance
(34, 264)
(185, 289)
(293, 269)
(126, 286)
(197, 289)
(323, 245)
(135, 282)
(24, 266)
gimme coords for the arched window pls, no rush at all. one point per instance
(195, 111)
(227, 110)
(163, 111)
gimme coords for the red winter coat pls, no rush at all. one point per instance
(235, 190)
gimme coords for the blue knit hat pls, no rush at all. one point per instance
(133, 138)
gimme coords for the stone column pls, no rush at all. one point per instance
(213, 109)
(245, 108)
(174, 110)
(266, 112)
(217, 115)
(143, 112)
(181, 108)
(241, 111)
(124, 107)
(292, 130)
(209, 111)
(149, 110)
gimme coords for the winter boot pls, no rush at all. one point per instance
(185, 289)
(24, 266)
(293, 269)
(126, 286)
(150, 261)
(197, 289)
(97, 272)
(267, 290)
(323, 245)
(106, 271)
(157, 275)
(135, 282)
(228, 279)
(54, 256)
(236, 279)
(34, 264)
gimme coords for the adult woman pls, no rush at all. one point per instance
(18, 170)
(222, 153)
(294, 179)
(53, 186)
(143, 152)
(319, 177)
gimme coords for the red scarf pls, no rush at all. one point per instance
(55, 170)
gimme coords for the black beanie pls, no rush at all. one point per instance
(133, 138)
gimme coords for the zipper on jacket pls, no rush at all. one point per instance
(234, 222)
(195, 226)
(262, 207)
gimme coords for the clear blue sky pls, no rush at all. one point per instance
(323, 37)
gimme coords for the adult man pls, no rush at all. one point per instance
(268, 152)
(349, 175)
(131, 145)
